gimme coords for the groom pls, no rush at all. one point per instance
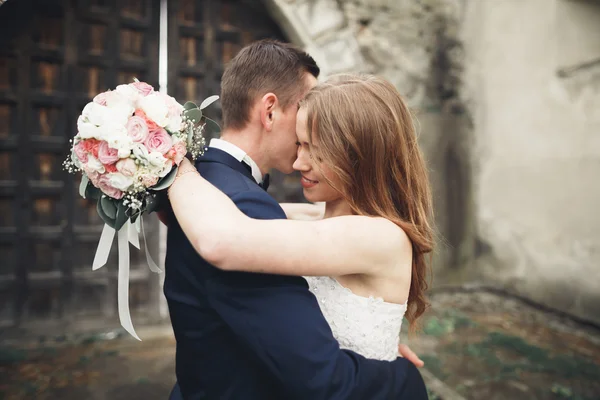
(257, 336)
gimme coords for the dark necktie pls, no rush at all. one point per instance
(265, 182)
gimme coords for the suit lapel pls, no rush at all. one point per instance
(219, 156)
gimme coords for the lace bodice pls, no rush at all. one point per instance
(366, 325)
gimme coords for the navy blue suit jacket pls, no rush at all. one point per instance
(259, 336)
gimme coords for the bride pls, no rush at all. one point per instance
(364, 255)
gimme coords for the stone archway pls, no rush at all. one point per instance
(320, 27)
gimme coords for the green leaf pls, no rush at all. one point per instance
(107, 220)
(194, 114)
(212, 126)
(109, 207)
(92, 192)
(167, 180)
(121, 216)
(83, 185)
(208, 101)
(151, 203)
(189, 105)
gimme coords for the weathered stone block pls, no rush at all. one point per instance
(320, 16)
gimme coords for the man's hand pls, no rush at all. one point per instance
(406, 352)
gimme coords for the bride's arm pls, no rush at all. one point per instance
(230, 240)
(304, 211)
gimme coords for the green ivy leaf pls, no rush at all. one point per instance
(92, 192)
(109, 207)
(167, 180)
(83, 185)
(212, 126)
(208, 101)
(189, 105)
(194, 114)
(151, 203)
(121, 216)
(107, 220)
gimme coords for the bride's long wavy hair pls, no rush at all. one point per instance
(367, 137)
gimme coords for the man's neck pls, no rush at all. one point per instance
(248, 142)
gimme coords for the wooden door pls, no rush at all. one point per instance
(55, 55)
(203, 37)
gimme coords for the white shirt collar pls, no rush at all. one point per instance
(239, 155)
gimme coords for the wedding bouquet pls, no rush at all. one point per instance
(129, 144)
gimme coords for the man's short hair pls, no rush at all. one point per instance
(259, 68)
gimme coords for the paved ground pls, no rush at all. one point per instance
(476, 346)
(92, 369)
(487, 346)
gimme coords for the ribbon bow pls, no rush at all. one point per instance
(127, 234)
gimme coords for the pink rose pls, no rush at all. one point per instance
(126, 166)
(152, 126)
(143, 88)
(180, 152)
(137, 129)
(80, 152)
(171, 155)
(92, 175)
(106, 154)
(110, 168)
(90, 146)
(101, 98)
(106, 188)
(158, 140)
(149, 180)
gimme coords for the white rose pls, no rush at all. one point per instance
(120, 181)
(174, 124)
(140, 152)
(155, 108)
(156, 159)
(130, 94)
(86, 129)
(117, 138)
(159, 165)
(119, 113)
(94, 164)
(163, 170)
(94, 113)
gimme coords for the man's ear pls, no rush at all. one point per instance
(267, 110)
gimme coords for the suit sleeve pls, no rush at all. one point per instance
(280, 321)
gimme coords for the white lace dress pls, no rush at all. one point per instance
(366, 325)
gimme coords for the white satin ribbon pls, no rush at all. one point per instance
(104, 245)
(123, 283)
(133, 236)
(127, 234)
(151, 264)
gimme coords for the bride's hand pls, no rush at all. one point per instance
(406, 352)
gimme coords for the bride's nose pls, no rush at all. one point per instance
(302, 163)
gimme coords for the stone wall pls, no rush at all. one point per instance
(533, 80)
(507, 95)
